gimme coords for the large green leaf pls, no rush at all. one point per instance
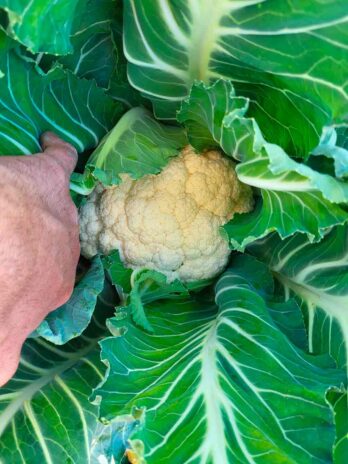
(143, 286)
(216, 118)
(286, 213)
(42, 26)
(339, 401)
(280, 54)
(137, 145)
(32, 102)
(95, 54)
(220, 384)
(45, 412)
(295, 197)
(96, 38)
(147, 286)
(317, 275)
(71, 319)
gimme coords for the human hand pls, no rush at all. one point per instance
(39, 243)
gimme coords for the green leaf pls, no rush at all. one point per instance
(295, 197)
(42, 26)
(279, 54)
(139, 288)
(342, 136)
(138, 145)
(119, 275)
(119, 86)
(149, 286)
(32, 102)
(272, 166)
(216, 111)
(289, 319)
(71, 319)
(286, 213)
(95, 54)
(216, 118)
(329, 147)
(339, 402)
(226, 383)
(111, 439)
(316, 274)
(97, 50)
(45, 412)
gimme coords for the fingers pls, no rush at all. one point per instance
(63, 153)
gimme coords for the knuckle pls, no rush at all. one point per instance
(68, 291)
(64, 293)
(61, 159)
(57, 170)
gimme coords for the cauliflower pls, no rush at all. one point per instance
(168, 222)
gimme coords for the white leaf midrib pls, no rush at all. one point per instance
(215, 435)
(206, 17)
(27, 393)
(335, 306)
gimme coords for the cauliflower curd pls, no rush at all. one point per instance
(169, 222)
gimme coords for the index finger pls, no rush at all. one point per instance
(63, 153)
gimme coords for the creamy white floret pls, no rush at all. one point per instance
(169, 222)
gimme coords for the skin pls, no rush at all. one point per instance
(39, 243)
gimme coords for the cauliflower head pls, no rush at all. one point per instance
(169, 222)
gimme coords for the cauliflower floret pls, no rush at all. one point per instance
(168, 222)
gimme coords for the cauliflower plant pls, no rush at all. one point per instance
(168, 222)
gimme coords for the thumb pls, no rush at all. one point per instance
(63, 153)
